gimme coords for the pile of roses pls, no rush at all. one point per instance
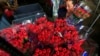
(16, 36)
(45, 38)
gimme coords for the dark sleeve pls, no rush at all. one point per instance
(62, 3)
(62, 12)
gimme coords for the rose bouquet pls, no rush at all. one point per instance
(45, 38)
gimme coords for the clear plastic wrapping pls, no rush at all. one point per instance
(32, 17)
(45, 35)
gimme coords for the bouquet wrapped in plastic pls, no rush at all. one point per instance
(45, 38)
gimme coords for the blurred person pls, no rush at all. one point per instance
(11, 4)
(47, 6)
(7, 8)
(66, 8)
(69, 6)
